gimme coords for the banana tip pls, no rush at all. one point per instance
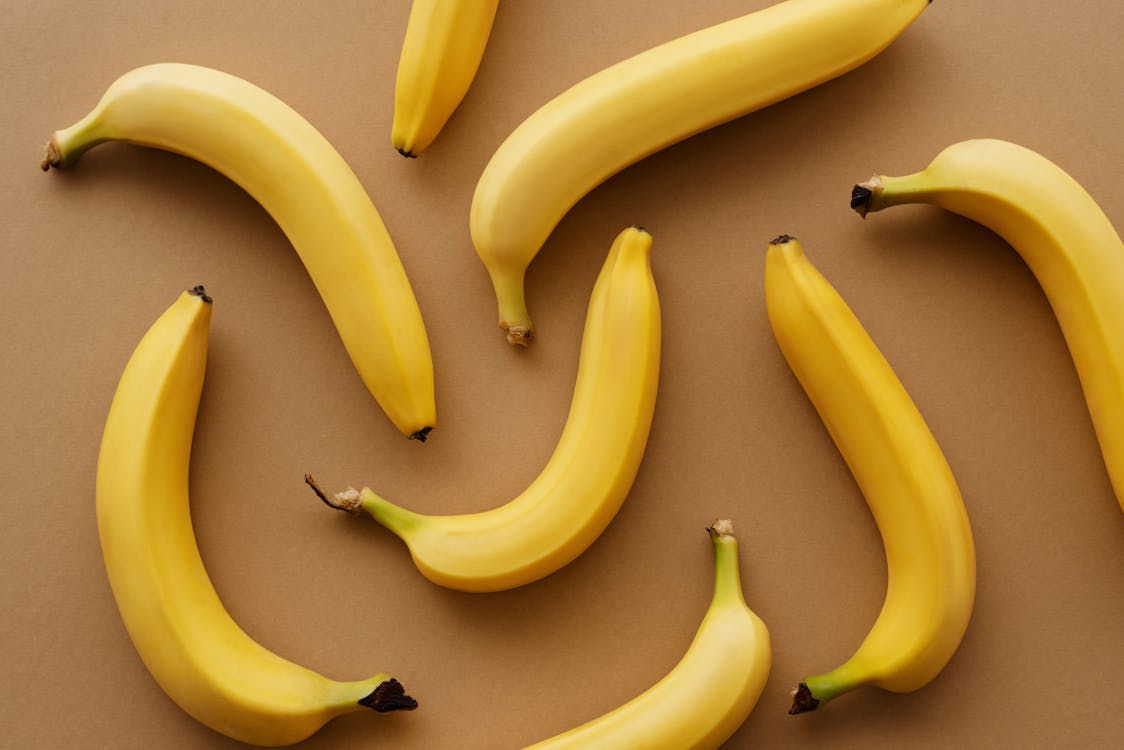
(860, 199)
(519, 336)
(803, 700)
(53, 157)
(389, 696)
(862, 195)
(421, 434)
(406, 152)
(784, 239)
(201, 293)
(723, 527)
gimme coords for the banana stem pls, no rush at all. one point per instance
(68, 144)
(345, 501)
(514, 318)
(813, 692)
(399, 520)
(881, 192)
(353, 501)
(727, 577)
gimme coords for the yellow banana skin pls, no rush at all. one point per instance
(301, 180)
(592, 469)
(1065, 239)
(648, 102)
(445, 41)
(182, 632)
(712, 690)
(901, 471)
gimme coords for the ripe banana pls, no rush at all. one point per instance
(444, 43)
(286, 165)
(185, 637)
(901, 471)
(593, 466)
(643, 104)
(712, 690)
(1065, 239)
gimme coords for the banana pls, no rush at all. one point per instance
(294, 173)
(712, 690)
(445, 41)
(1065, 239)
(645, 103)
(181, 630)
(592, 468)
(901, 471)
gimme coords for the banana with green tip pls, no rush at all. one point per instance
(445, 41)
(592, 469)
(634, 108)
(709, 693)
(1065, 239)
(930, 555)
(285, 164)
(182, 632)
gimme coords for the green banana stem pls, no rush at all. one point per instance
(881, 192)
(68, 144)
(397, 519)
(815, 691)
(727, 577)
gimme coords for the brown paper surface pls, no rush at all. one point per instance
(91, 257)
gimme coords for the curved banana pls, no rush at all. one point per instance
(901, 471)
(712, 690)
(196, 652)
(593, 466)
(1065, 239)
(445, 41)
(645, 103)
(294, 173)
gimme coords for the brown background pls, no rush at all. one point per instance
(92, 257)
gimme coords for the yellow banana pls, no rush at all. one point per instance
(294, 173)
(901, 471)
(712, 690)
(593, 466)
(1065, 239)
(445, 41)
(181, 630)
(645, 103)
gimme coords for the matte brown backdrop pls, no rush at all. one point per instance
(91, 257)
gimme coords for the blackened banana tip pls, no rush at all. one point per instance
(803, 700)
(860, 199)
(389, 696)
